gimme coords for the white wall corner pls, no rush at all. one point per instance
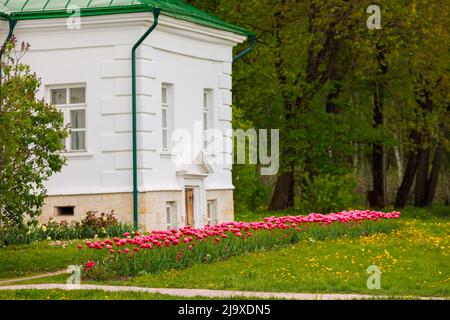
(227, 68)
(227, 97)
(225, 113)
(225, 82)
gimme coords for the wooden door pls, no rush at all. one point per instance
(190, 207)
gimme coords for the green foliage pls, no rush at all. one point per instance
(31, 135)
(327, 193)
(250, 193)
(315, 56)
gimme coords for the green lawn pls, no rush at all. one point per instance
(41, 257)
(86, 295)
(414, 260)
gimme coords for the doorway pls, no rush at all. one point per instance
(190, 207)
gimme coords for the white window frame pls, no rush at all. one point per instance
(167, 107)
(211, 212)
(171, 215)
(207, 115)
(66, 109)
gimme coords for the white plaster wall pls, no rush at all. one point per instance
(99, 55)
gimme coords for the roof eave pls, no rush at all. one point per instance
(87, 12)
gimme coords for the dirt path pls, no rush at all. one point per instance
(209, 293)
(39, 276)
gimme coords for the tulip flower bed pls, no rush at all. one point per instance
(173, 249)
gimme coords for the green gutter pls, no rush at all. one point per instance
(187, 13)
(246, 51)
(84, 12)
(12, 25)
(156, 12)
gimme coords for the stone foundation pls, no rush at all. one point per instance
(152, 207)
(225, 206)
(121, 203)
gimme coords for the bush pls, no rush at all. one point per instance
(328, 193)
(105, 225)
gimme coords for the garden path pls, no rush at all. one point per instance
(211, 293)
(45, 275)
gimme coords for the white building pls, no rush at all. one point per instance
(82, 50)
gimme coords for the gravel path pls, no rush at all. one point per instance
(209, 293)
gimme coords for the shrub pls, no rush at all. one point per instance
(91, 226)
(328, 193)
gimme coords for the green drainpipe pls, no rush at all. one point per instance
(12, 24)
(156, 12)
(246, 51)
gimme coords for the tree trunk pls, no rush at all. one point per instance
(399, 162)
(407, 182)
(422, 177)
(376, 197)
(447, 185)
(423, 155)
(436, 167)
(283, 196)
(434, 175)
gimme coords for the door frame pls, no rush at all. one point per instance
(194, 205)
(199, 201)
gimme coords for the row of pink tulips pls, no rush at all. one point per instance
(211, 240)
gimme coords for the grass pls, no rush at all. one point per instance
(414, 261)
(39, 257)
(91, 295)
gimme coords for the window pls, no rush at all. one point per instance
(72, 102)
(65, 211)
(166, 115)
(207, 114)
(211, 212)
(171, 215)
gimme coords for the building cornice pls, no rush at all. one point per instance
(143, 19)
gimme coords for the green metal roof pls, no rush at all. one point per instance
(45, 9)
